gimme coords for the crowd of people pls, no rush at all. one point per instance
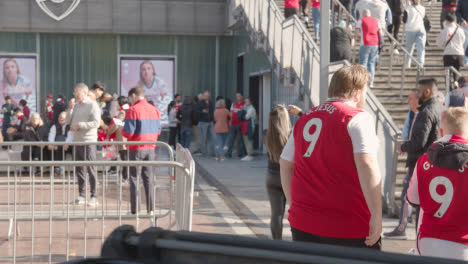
(338, 200)
(374, 16)
(95, 115)
(218, 127)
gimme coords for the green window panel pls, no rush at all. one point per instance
(17, 42)
(147, 44)
(67, 59)
(196, 62)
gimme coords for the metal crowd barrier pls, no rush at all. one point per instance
(156, 245)
(42, 223)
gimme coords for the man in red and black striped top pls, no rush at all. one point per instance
(142, 123)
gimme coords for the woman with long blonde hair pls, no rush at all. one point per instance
(279, 129)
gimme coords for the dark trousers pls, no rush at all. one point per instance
(146, 173)
(125, 170)
(234, 134)
(179, 140)
(298, 235)
(186, 133)
(172, 136)
(277, 203)
(443, 16)
(395, 27)
(290, 12)
(456, 61)
(86, 153)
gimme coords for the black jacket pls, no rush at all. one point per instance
(187, 114)
(448, 155)
(425, 130)
(462, 11)
(34, 135)
(396, 6)
(205, 117)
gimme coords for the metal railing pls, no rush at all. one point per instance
(155, 245)
(288, 44)
(394, 43)
(449, 72)
(45, 201)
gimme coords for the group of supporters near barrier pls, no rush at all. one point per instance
(87, 119)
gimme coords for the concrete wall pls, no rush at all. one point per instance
(187, 17)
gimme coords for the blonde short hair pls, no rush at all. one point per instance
(348, 80)
(455, 121)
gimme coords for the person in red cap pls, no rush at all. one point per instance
(49, 108)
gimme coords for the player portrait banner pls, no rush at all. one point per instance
(19, 80)
(156, 75)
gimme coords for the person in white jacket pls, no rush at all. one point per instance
(413, 17)
(452, 39)
(379, 10)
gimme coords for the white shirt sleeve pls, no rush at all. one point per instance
(52, 133)
(361, 129)
(288, 151)
(251, 113)
(358, 24)
(412, 195)
(69, 136)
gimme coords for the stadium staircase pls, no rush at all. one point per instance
(391, 85)
(388, 85)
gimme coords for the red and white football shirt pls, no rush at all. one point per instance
(236, 107)
(326, 196)
(442, 194)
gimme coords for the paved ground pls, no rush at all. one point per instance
(230, 198)
(237, 191)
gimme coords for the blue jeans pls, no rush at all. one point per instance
(406, 208)
(368, 55)
(186, 136)
(207, 137)
(235, 132)
(316, 18)
(418, 38)
(221, 139)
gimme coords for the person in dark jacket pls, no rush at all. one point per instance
(449, 7)
(59, 107)
(341, 42)
(462, 12)
(35, 131)
(205, 111)
(187, 117)
(17, 125)
(397, 8)
(425, 128)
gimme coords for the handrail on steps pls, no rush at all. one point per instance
(420, 68)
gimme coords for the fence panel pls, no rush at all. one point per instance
(44, 221)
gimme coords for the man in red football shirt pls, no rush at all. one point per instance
(439, 185)
(329, 171)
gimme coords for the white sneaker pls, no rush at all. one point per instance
(93, 202)
(247, 158)
(80, 201)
